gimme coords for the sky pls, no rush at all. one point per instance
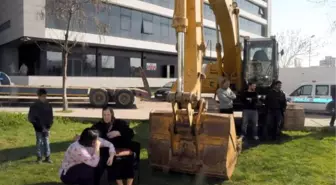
(309, 17)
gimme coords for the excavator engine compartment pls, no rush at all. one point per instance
(210, 148)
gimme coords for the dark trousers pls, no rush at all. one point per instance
(226, 111)
(122, 167)
(332, 120)
(80, 174)
(273, 123)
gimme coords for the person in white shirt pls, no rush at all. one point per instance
(226, 97)
(82, 157)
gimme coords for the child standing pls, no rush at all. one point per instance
(41, 116)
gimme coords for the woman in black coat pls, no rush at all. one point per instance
(120, 135)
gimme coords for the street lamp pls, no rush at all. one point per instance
(310, 48)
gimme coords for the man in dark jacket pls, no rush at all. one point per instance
(41, 116)
(276, 104)
(249, 99)
(333, 104)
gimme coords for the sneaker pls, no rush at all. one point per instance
(47, 160)
(39, 160)
(256, 138)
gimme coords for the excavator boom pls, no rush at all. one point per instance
(187, 138)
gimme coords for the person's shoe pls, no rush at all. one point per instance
(256, 138)
(47, 160)
(39, 160)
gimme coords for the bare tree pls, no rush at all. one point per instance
(332, 5)
(73, 15)
(295, 45)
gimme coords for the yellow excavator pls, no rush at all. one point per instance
(190, 138)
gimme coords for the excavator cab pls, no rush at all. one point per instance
(260, 62)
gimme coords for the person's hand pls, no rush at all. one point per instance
(113, 134)
(110, 160)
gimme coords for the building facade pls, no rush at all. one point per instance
(328, 61)
(140, 34)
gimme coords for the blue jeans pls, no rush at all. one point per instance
(42, 144)
(250, 116)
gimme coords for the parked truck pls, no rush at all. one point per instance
(98, 97)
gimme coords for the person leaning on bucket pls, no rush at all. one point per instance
(226, 97)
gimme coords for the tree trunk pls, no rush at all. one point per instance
(64, 79)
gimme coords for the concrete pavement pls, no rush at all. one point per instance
(142, 113)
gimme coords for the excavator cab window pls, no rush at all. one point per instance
(259, 62)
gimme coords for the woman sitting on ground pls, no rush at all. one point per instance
(117, 132)
(82, 157)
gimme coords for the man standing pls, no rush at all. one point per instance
(333, 104)
(275, 105)
(41, 116)
(249, 99)
(226, 97)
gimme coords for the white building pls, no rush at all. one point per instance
(329, 61)
(140, 35)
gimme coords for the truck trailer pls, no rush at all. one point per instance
(97, 97)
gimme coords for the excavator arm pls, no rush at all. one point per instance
(186, 138)
(229, 65)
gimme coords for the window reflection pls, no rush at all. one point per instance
(251, 26)
(134, 64)
(125, 22)
(147, 27)
(150, 27)
(107, 65)
(89, 65)
(208, 13)
(251, 8)
(54, 63)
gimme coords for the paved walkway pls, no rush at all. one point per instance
(142, 113)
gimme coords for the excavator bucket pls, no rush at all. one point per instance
(211, 150)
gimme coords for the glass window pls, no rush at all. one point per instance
(108, 62)
(251, 7)
(210, 38)
(125, 22)
(147, 27)
(322, 90)
(89, 65)
(208, 13)
(54, 63)
(305, 90)
(164, 30)
(134, 64)
(107, 65)
(251, 26)
(126, 12)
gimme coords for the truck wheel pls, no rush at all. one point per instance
(99, 97)
(124, 98)
(330, 107)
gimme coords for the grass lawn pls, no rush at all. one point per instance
(307, 158)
